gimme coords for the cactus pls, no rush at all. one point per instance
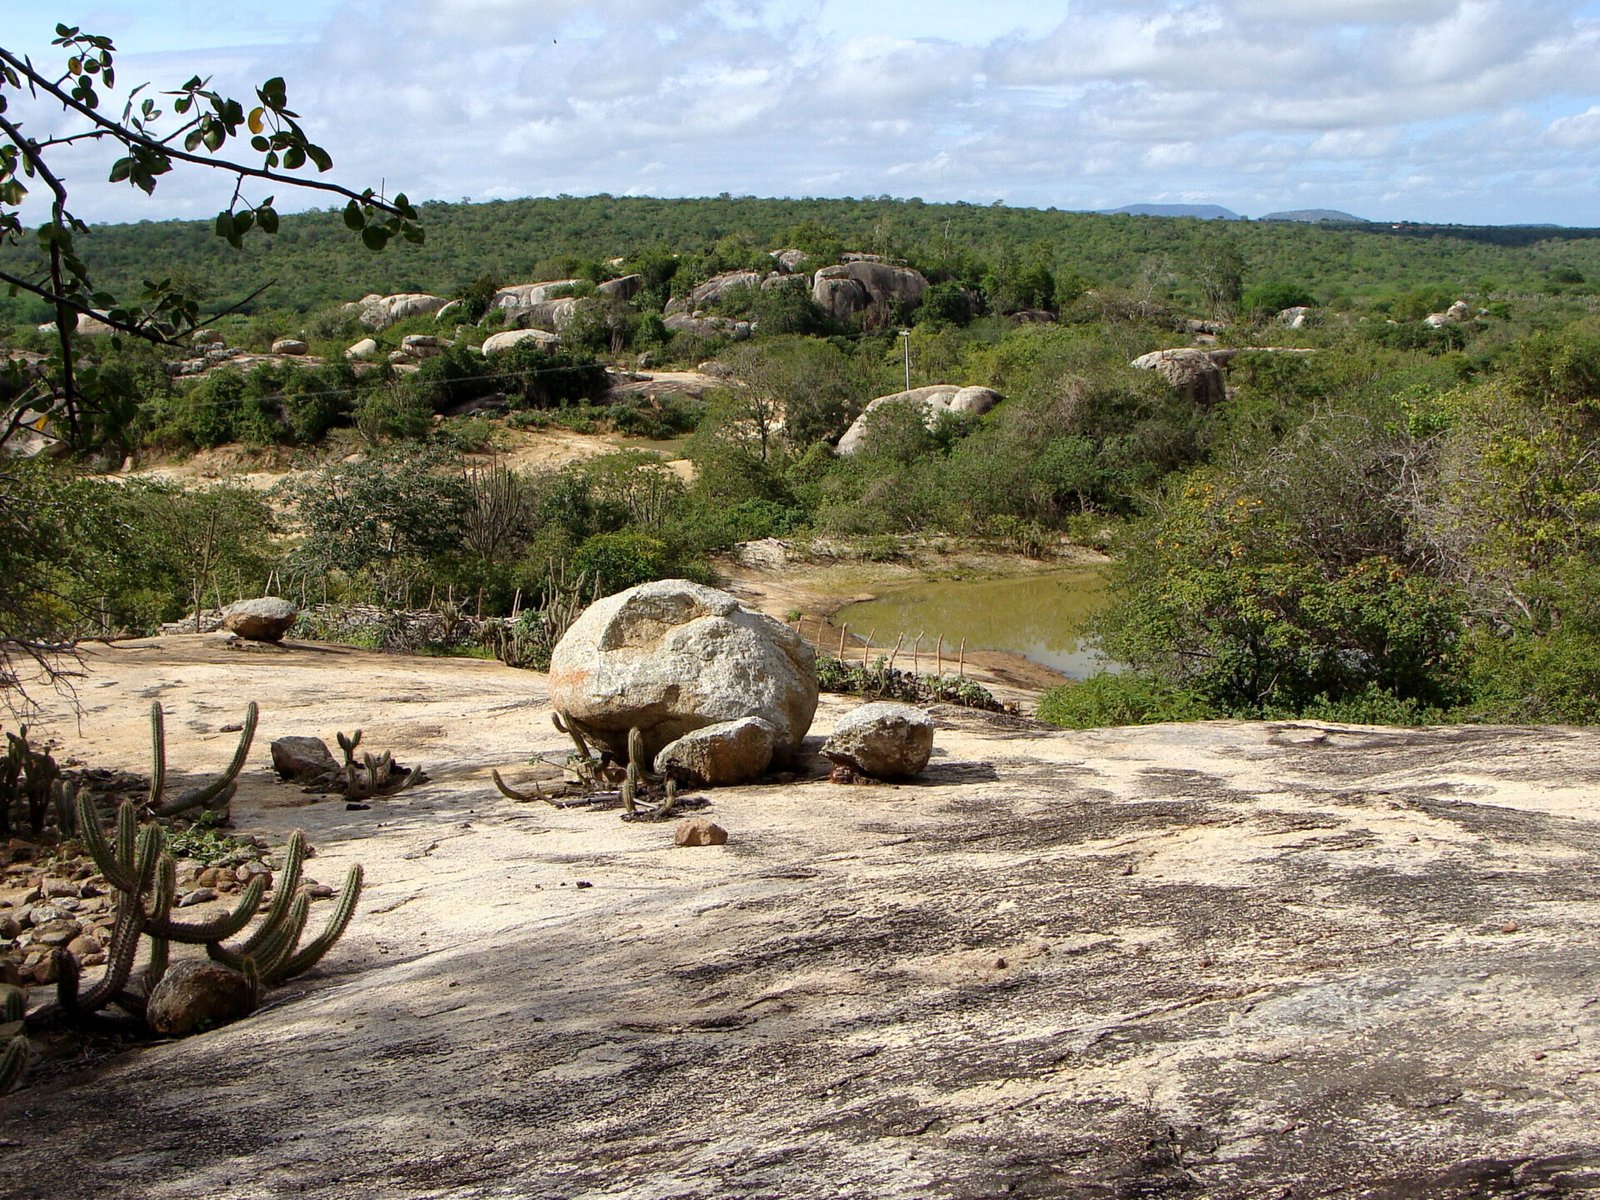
(214, 795)
(375, 776)
(14, 1048)
(13, 1063)
(144, 876)
(27, 781)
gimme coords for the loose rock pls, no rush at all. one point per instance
(718, 755)
(883, 739)
(699, 832)
(265, 619)
(198, 995)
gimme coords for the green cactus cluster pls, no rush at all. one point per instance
(214, 795)
(136, 865)
(32, 789)
(374, 775)
(637, 787)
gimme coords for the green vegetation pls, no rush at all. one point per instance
(1398, 524)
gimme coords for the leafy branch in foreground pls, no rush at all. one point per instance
(153, 141)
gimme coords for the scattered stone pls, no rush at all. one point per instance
(289, 346)
(364, 349)
(302, 759)
(884, 739)
(56, 933)
(699, 832)
(202, 895)
(265, 619)
(84, 945)
(672, 656)
(717, 755)
(60, 887)
(198, 995)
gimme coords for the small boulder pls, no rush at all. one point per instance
(364, 349)
(198, 995)
(303, 759)
(289, 346)
(265, 619)
(883, 739)
(699, 832)
(717, 755)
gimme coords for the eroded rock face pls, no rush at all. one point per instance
(265, 619)
(883, 739)
(198, 995)
(672, 656)
(726, 753)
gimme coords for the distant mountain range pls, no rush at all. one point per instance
(1215, 212)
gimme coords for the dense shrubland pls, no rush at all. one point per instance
(1399, 526)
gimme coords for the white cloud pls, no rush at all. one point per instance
(1248, 103)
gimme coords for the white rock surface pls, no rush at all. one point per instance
(673, 656)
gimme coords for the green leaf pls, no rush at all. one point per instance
(294, 158)
(274, 93)
(225, 224)
(260, 143)
(267, 218)
(319, 156)
(375, 237)
(353, 218)
(243, 220)
(121, 169)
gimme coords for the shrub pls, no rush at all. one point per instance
(1124, 699)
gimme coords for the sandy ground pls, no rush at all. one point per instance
(1218, 960)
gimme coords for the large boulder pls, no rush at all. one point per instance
(884, 739)
(883, 283)
(496, 342)
(380, 312)
(717, 755)
(710, 292)
(625, 287)
(673, 656)
(839, 297)
(708, 326)
(265, 619)
(196, 995)
(934, 400)
(1192, 371)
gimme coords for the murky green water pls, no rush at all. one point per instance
(1041, 616)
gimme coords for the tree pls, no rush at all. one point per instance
(201, 123)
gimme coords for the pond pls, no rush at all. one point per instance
(1040, 616)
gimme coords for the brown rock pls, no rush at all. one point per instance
(198, 995)
(84, 945)
(699, 832)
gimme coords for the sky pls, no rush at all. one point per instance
(1461, 111)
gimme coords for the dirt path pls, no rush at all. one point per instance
(1219, 960)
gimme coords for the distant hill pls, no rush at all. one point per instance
(1314, 214)
(1204, 212)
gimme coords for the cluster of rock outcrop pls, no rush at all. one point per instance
(718, 693)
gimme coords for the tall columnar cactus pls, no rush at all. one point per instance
(144, 878)
(215, 794)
